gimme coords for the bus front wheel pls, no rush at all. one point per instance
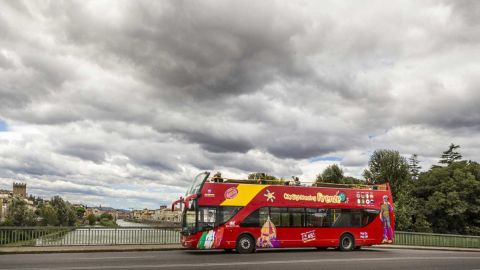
(347, 243)
(245, 244)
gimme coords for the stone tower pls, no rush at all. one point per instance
(20, 189)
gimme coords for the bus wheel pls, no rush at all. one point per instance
(245, 244)
(347, 243)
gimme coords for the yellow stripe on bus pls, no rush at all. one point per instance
(246, 193)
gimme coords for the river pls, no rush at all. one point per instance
(123, 223)
(126, 233)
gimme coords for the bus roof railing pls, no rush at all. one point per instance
(283, 182)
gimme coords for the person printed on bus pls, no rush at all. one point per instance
(217, 178)
(385, 210)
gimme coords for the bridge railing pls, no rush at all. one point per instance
(86, 236)
(71, 236)
(436, 240)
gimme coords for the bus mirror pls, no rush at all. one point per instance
(177, 202)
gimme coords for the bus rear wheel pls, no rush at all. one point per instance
(347, 243)
(245, 244)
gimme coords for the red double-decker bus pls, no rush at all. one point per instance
(243, 215)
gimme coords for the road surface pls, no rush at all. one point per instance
(293, 259)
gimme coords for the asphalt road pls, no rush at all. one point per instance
(268, 259)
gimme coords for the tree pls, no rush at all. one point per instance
(388, 166)
(49, 215)
(80, 211)
(91, 219)
(65, 213)
(449, 196)
(19, 213)
(332, 174)
(409, 213)
(106, 216)
(265, 178)
(451, 155)
(414, 166)
(351, 180)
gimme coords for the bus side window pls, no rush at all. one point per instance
(284, 217)
(368, 216)
(263, 215)
(252, 220)
(226, 212)
(275, 215)
(297, 217)
(331, 216)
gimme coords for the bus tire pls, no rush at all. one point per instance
(347, 242)
(245, 244)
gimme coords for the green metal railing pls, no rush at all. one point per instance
(70, 236)
(436, 240)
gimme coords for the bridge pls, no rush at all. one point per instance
(125, 238)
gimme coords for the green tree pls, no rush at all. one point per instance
(332, 174)
(265, 178)
(388, 166)
(351, 180)
(65, 213)
(451, 155)
(49, 215)
(450, 198)
(106, 216)
(414, 166)
(80, 212)
(91, 219)
(409, 214)
(19, 213)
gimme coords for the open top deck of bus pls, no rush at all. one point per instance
(313, 184)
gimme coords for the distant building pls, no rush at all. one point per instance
(167, 215)
(18, 190)
(97, 211)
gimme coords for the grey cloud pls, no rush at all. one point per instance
(107, 93)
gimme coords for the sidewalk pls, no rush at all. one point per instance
(120, 248)
(71, 249)
(426, 248)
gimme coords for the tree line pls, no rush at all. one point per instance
(443, 199)
(56, 212)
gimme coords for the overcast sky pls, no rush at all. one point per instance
(121, 103)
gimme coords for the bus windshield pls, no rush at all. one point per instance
(189, 220)
(197, 183)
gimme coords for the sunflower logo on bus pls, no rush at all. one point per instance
(270, 196)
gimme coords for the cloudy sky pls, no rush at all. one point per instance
(121, 103)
